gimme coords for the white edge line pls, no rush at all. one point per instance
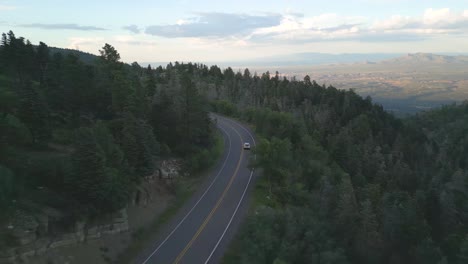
(230, 220)
(238, 204)
(203, 195)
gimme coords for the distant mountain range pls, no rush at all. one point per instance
(306, 59)
(324, 58)
(418, 58)
(284, 62)
(299, 59)
(312, 59)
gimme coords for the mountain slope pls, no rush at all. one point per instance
(423, 58)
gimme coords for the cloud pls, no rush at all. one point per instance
(293, 13)
(214, 25)
(333, 27)
(132, 40)
(390, 37)
(395, 23)
(7, 7)
(94, 43)
(325, 27)
(63, 26)
(432, 21)
(439, 16)
(344, 27)
(330, 20)
(132, 28)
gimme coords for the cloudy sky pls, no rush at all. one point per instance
(183, 30)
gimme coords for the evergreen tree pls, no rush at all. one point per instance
(34, 113)
(139, 145)
(43, 62)
(89, 171)
(97, 188)
(109, 54)
(347, 210)
(150, 84)
(369, 240)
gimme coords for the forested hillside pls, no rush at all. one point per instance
(345, 182)
(78, 137)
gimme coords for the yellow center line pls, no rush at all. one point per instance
(207, 219)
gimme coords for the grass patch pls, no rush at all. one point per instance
(184, 189)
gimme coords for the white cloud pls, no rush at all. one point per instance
(63, 27)
(182, 22)
(393, 23)
(133, 40)
(437, 16)
(7, 7)
(332, 20)
(322, 27)
(328, 27)
(433, 20)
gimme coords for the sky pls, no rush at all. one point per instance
(217, 31)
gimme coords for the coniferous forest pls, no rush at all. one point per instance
(80, 136)
(342, 180)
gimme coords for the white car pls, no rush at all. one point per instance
(246, 145)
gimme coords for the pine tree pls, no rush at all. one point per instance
(347, 210)
(109, 54)
(150, 84)
(89, 171)
(43, 62)
(116, 79)
(97, 188)
(139, 145)
(34, 113)
(369, 241)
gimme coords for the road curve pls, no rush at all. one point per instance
(200, 232)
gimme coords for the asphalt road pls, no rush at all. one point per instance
(200, 232)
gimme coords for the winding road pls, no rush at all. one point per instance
(201, 231)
